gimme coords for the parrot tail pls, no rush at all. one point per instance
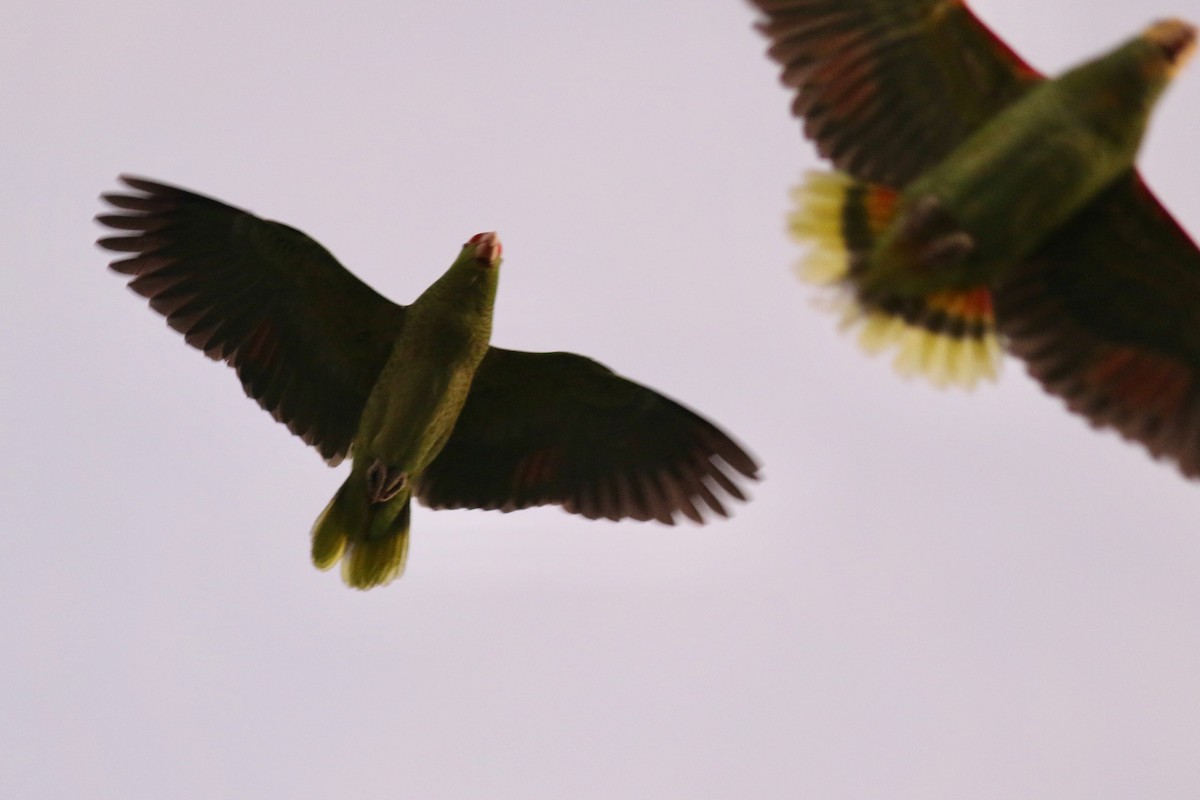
(948, 336)
(370, 539)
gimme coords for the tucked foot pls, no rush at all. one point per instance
(948, 250)
(384, 482)
(922, 218)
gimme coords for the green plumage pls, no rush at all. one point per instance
(408, 417)
(1069, 138)
(414, 394)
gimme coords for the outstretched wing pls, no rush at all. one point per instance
(887, 88)
(558, 428)
(306, 337)
(1107, 316)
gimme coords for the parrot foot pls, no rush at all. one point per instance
(948, 250)
(922, 218)
(942, 242)
(384, 483)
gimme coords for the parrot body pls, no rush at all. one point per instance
(978, 205)
(408, 417)
(415, 395)
(972, 216)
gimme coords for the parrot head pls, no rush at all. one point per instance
(1176, 40)
(473, 276)
(486, 248)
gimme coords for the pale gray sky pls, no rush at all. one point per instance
(932, 595)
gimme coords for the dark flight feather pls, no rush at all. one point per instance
(306, 337)
(558, 428)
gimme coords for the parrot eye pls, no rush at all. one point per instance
(1176, 39)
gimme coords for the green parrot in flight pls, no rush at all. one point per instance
(978, 205)
(413, 394)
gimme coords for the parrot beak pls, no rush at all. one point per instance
(487, 248)
(1177, 40)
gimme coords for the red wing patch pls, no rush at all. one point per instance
(537, 469)
(1140, 381)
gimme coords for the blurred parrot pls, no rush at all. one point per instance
(414, 394)
(979, 204)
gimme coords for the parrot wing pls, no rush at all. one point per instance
(887, 89)
(558, 428)
(306, 337)
(1106, 316)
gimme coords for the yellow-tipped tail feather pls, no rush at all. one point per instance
(948, 337)
(371, 541)
(817, 222)
(375, 562)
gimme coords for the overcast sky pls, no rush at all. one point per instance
(933, 594)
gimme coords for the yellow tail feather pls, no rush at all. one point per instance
(329, 533)
(371, 541)
(947, 337)
(816, 221)
(375, 562)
